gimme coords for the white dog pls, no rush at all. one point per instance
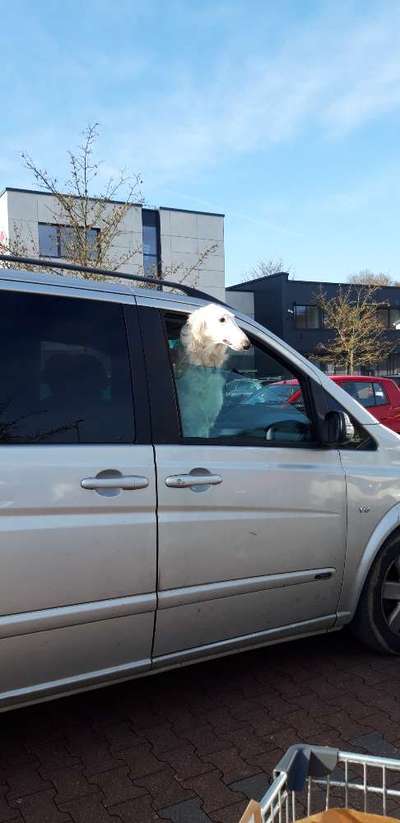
(206, 337)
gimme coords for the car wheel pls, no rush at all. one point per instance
(377, 621)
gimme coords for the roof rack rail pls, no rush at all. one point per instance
(73, 267)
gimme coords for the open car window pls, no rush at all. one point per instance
(252, 398)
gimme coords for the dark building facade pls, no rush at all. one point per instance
(289, 308)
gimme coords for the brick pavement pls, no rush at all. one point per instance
(194, 744)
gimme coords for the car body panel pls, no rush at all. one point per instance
(265, 518)
(77, 566)
(279, 549)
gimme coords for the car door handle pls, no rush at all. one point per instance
(123, 482)
(187, 481)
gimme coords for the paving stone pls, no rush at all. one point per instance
(52, 754)
(116, 786)
(6, 812)
(189, 811)
(383, 724)
(164, 788)
(282, 739)
(346, 726)
(230, 814)
(277, 707)
(264, 762)
(71, 783)
(212, 791)
(41, 808)
(180, 718)
(263, 723)
(242, 740)
(24, 780)
(316, 706)
(253, 787)
(145, 717)
(351, 705)
(223, 720)
(92, 751)
(87, 810)
(194, 736)
(374, 743)
(241, 707)
(162, 738)
(186, 763)
(204, 739)
(305, 724)
(121, 736)
(140, 810)
(141, 760)
(231, 764)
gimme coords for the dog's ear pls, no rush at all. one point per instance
(197, 323)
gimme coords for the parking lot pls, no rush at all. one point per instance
(194, 744)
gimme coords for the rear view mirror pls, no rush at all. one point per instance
(338, 428)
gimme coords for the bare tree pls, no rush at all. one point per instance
(91, 222)
(366, 277)
(266, 268)
(181, 273)
(17, 246)
(359, 333)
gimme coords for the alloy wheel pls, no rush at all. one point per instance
(391, 596)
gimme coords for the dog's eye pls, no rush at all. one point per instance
(222, 319)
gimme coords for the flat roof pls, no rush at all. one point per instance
(293, 282)
(116, 202)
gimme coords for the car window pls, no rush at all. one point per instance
(248, 398)
(380, 394)
(64, 371)
(362, 391)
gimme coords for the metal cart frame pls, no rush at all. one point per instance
(306, 775)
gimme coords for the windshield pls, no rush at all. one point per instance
(275, 394)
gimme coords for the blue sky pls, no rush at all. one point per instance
(283, 115)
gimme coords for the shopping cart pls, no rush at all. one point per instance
(311, 779)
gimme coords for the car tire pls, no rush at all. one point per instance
(377, 620)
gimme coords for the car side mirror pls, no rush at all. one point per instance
(338, 428)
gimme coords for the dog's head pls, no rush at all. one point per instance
(215, 325)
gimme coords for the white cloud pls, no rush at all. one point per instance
(333, 76)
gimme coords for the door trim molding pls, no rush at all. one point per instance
(75, 684)
(229, 588)
(268, 637)
(12, 625)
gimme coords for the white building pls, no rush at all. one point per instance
(160, 238)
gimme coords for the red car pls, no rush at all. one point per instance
(380, 395)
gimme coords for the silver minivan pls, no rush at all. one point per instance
(126, 548)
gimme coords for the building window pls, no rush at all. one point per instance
(394, 315)
(57, 241)
(383, 317)
(151, 242)
(307, 317)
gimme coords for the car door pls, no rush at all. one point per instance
(251, 520)
(77, 492)
(387, 405)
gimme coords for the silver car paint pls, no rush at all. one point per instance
(238, 568)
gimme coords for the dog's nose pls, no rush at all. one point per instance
(247, 345)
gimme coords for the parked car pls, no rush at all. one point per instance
(395, 378)
(127, 548)
(380, 395)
